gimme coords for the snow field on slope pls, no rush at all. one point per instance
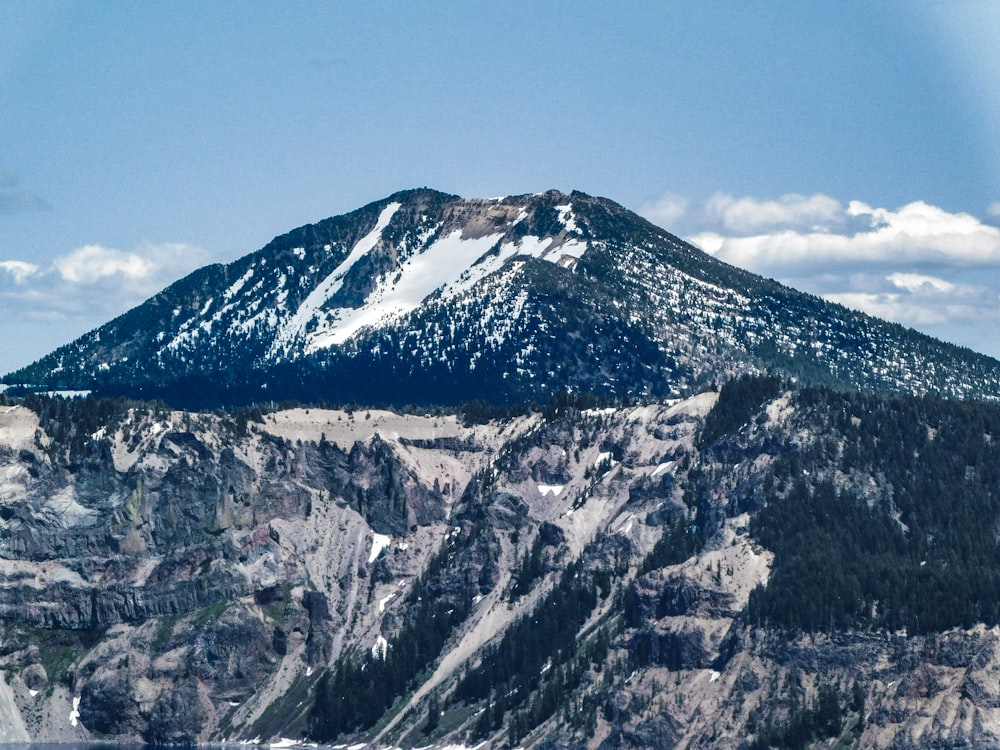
(442, 264)
(451, 265)
(295, 326)
(379, 543)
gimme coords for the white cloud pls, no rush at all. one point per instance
(91, 263)
(917, 233)
(895, 307)
(918, 282)
(20, 270)
(918, 265)
(993, 209)
(817, 213)
(92, 283)
(918, 300)
(666, 210)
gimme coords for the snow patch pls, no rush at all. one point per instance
(74, 715)
(442, 266)
(663, 468)
(626, 527)
(233, 290)
(309, 308)
(379, 543)
(551, 489)
(567, 218)
(599, 412)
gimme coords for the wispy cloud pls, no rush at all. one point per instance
(744, 216)
(918, 265)
(93, 282)
(91, 263)
(666, 210)
(916, 234)
(921, 301)
(18, 270)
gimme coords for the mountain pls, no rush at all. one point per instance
(427, 298)
(724, 514)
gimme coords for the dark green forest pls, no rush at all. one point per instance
(886, 518)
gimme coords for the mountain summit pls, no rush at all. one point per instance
(424, 297)
(764, 564)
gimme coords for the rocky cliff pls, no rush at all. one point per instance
(581, 576)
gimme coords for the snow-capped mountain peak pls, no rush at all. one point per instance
(425, 297)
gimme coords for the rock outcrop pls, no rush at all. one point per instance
(175, 578)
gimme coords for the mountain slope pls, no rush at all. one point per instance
(760, 566)
(425, 297)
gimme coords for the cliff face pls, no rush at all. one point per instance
(170, 574)
(578, 577)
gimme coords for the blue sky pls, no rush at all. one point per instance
(851, 149)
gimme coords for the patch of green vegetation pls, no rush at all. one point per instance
(921, 555)
(356, 694)
(209, 613)
(275, 604)
(59, 650)
(164, 630)
(739, 401)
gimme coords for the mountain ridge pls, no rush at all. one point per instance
(438, 288)
(732, 525)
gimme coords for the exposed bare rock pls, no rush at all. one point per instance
(199, 578)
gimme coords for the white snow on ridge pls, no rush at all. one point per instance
(554, 489)
(662, 468)
(295, 326)
(449, 266)
(567, 218)
(443, 264)
(237, 285)
(569, 249)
